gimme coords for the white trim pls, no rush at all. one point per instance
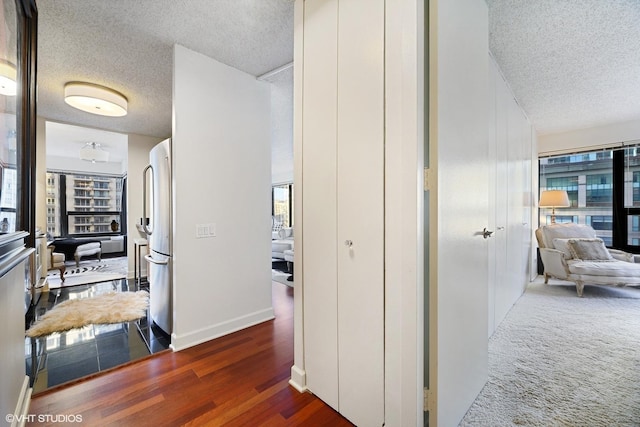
(298, 272)
(22, 407)
(180, 342)
(275, 71)
(298, 379)
(404, 211)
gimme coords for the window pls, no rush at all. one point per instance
(567, 183)
(83, 204)
(599, 191)
(604, 191)
(282, 205)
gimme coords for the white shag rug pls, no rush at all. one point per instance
(560, 360)
(112, 307)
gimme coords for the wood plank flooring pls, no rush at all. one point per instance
(237, 380)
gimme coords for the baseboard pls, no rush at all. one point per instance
(298, 379)
(180, 342)
(22, 408)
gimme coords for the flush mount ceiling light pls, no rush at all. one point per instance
(8, 75)
(95, 99)
(93, 152)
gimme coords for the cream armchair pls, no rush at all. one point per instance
(56, 261)
(573, 252)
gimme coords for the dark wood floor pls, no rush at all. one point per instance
(239, 379)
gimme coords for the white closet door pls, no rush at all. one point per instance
(343, 205)
(361, 211)
(319, 204)
(502, 302)
(463, 166)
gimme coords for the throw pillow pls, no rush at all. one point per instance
(589, 250)
(562, 245)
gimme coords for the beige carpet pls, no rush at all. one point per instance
(560, 360)
(113, 307)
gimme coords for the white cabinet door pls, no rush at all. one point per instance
(343, 205)
(319, 204)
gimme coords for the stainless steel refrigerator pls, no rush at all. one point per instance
(158, 227)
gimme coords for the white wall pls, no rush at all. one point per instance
(282, 127)
(590, 138)
(221, 175)
(138, 158)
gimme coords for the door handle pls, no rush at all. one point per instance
(486, 233)
(152, 260)
(145, 226)
(348, 243)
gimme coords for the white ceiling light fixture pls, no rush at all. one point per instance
(93, 152)
(8, 76)
(95, 99)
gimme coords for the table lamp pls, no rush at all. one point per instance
(554, 199)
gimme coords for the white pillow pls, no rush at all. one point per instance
(563, 246)
(589, 250)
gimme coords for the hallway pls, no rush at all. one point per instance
(238, 379)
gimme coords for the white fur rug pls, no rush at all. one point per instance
(560, 360)
(112, 307)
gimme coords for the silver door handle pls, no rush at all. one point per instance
(486, 233)
(145, 226)
(152, 260)
(348, 243)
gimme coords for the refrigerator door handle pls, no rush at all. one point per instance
(155, 261)
(145, 226)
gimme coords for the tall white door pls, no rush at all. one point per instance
(360, 195)
(343, 205)
(461, 152)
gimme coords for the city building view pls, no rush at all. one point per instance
(83, 204)
(588, 179)
(282, 205)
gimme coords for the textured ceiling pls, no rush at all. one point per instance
(571, 64)
(128, 46)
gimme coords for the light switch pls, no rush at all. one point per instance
(205, 230)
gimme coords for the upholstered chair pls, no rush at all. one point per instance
(56, 261)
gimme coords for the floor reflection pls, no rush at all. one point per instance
(62, 357)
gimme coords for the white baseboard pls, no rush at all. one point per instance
(298, 379)
(180, 342)
(24, 401)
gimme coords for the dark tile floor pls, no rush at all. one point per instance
(62, 357)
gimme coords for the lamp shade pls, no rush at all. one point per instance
(95, 99)
(554, 199)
